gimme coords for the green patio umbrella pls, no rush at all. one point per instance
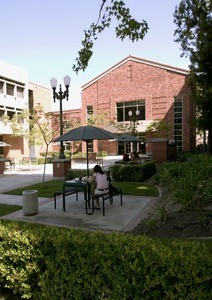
(87, 133)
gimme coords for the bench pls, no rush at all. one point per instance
(24, 160)
(66, 192)
(98, 161)
(28, 160)
(109, 196)
(10, 163)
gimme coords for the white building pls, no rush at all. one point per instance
(17, 94)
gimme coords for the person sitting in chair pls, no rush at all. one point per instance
(135, 158)
(126, 157)
(101, 184)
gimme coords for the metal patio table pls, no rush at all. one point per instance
(89, 207)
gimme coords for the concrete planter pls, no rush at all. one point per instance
(30, 202)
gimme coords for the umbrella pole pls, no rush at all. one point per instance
(87, 159)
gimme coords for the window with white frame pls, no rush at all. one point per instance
(89, 112)
(1, 87)
(67, 146)
(10, 114)
(123, 109)
(10, 89)
(20, 92)
(90, 145)
(178, 122)
(1, 114)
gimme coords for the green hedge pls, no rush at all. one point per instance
(41, 160)
(40, 262)
(189, 182)
(76, 173)
(135, 173)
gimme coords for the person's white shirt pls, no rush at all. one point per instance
(101, 181)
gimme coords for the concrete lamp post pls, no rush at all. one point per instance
(60, 96)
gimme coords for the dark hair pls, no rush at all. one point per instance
(135, 154)
(125, 157)
(98, 169)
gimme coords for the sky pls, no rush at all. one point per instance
(44, 37)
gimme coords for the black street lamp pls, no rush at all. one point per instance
(60, 96)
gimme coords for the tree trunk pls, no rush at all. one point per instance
(209, 146)
(44, 170)
(204, 141)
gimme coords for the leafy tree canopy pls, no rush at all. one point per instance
(194, 32)
(127, 27)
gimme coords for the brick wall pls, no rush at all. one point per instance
(135, 81)
(75, 118)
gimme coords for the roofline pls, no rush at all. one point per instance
(67, 110)
(37, 84)
(139, 60)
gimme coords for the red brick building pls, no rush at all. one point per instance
(133, 93)
(71, 119)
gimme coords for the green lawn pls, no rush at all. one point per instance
(137, 189)
(48, 188)
(6, 209)
(45, 189)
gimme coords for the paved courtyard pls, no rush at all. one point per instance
(117, 218)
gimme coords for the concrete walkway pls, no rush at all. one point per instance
(117, 218)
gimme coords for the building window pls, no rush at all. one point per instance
(67, 146)
(89, 112)
(1, 114)
(123, 109)
(20, 92)
(20, 118)
(90, 145)
(10, 114)
(1, 87)
(178, 122)
(10, 89)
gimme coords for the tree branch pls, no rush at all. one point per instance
(127, 27)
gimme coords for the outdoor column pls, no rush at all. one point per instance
(2, 165)
(61, 167)
(159, 147)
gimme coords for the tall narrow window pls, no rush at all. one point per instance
(10, 89)
(89, 113)
(67, 146)
(1, 87)
(20, 92)
(20, 118)
(178, 122)
(1, 114)
(90, 145)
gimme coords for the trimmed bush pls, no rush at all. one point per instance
(76, 173)
(19, 259)
(40, 262)
(41, 160)
(189, 181)
(134, 173)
